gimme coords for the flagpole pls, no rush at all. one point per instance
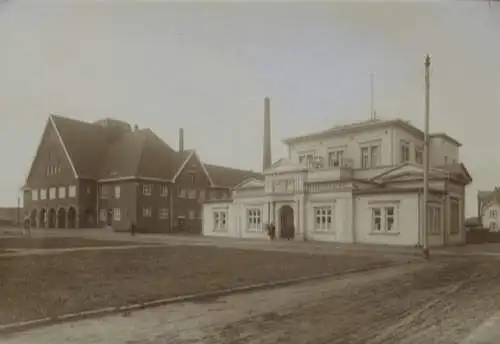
(426, 159)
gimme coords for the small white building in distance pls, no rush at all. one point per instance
(356, 183)
(488, 204)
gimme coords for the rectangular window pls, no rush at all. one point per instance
(43, 194)
(389, 219)
(335, 158)
(163, 213)
(105, 191)
(72, 191)
(404, 151)
(62, 192)
(307, 159)
(254, 217)
(164, 190)
(493, 213)
(377, 219)
(191, 214)
(181, 193)
(34, 195)
(434, 220)
(193, 178)
(52, 193)
(191, 194)
(220, 221)
(454, 217)
(445, 160)
(419, 155)
(323, 219)
(117, 191)
(147, 189)
(201, 195)
(116, 214)
(384, 220)
(364, 157)
(146, 212)
(374, 156)
(102, 214)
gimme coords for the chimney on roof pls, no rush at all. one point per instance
(181, 140)
(266, 149)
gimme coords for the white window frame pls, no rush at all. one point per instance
(163, 213)
(419, 155)
(323, 216)
(381, 216)
(254, 219)
(220, 220)
(365, 157)
(147, 189)
(309, 157)
(147, 212)
(43, 194)
(117, 191)
(434, 219)
(375, 160)
(72, 191)
(53, 193)
(61, 192)
(164, 190)
(493, 213)
(103, 215)
(335, 158)
(34, 195)
(181, 193)
(404, 151)
(191, 194)
(116, 214)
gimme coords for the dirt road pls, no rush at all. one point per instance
(450, 301)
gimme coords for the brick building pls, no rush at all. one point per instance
(107, 173)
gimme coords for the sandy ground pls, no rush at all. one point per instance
(450, 301)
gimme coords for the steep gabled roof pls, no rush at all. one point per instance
(230, 177)
(85, 143)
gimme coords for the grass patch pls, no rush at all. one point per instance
(33, 287)
(54, 242)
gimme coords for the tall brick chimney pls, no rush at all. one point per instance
(181, 140)
(266, 153)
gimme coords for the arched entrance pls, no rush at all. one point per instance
(287, 228)
(71, 218)
(61, 218)
(41, 218)
(51, 221)
(33, 218)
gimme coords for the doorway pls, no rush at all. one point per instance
(287, 228)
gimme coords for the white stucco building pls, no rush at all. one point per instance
(489, 209)
(357, 183)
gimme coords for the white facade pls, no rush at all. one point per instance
(491, 216)
(360, 183)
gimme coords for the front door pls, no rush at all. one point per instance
(287, 228)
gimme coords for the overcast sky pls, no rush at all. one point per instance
(208, 67)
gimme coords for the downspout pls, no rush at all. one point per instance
(171, 205)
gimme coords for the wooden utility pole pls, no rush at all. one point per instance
(426, 159)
